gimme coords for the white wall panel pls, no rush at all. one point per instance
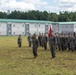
(41, 28)
(74, 27)
(3, 28)
(66, 28)
(36, 28)
(32, 28)
(18, 28)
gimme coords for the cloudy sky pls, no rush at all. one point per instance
(48, 5)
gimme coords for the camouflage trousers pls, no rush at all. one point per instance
(35, 51)
(53, 51)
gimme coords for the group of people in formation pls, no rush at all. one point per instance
(56, 41)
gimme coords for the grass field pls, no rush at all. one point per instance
(19, 61)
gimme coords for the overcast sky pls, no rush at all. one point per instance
(48, 5)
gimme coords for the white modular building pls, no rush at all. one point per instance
(12, 27)
(3, 28)
(24, 27)
(66, 27)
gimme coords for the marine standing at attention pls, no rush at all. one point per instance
(19, 41)
(29, 39)
(52, 44)
(35, 46)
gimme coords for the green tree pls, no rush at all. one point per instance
(15, 15)
(54, 17)
(3, 15)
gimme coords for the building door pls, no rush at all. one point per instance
(46, 29)
(26, 29)
(8, 29)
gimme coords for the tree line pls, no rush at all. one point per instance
(63, 16)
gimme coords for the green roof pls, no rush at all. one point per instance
(35, 21)
(66, 23)
(27, 21)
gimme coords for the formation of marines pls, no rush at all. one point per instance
(56, 41)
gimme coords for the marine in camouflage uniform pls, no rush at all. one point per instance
(29, 39)
(35, 46)
(45, 41)
(19, 41)
(39, 39)
(65, 42)
(59, 42)
(68, 41)
(42, 40)
(62, 42)
(52, 43)
(72, 42)
(75, 40)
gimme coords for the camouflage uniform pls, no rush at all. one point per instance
(62, 42)
(68, 42)
(19, 41)
(39, 39)
(72, 43)
(75, 40)
(59, 42)
(45, 41)
(52, 43)
(29, 40)
(35, 46)
(42, 40)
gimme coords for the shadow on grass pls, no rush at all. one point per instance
(70, 59)
(28, 58)
(43, 50)
(23, 47)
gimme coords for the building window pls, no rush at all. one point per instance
(35, 25)
(27, 27)
(27, 31)
(46, 31)
(71, 26)
(0, 33)
(9, 24)
(22, 33)
(46, 28)
(35, 32)
(14, 25)
(39, 25)
(13, 33)
(9, 30)
(23, 25)
(57, 25)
